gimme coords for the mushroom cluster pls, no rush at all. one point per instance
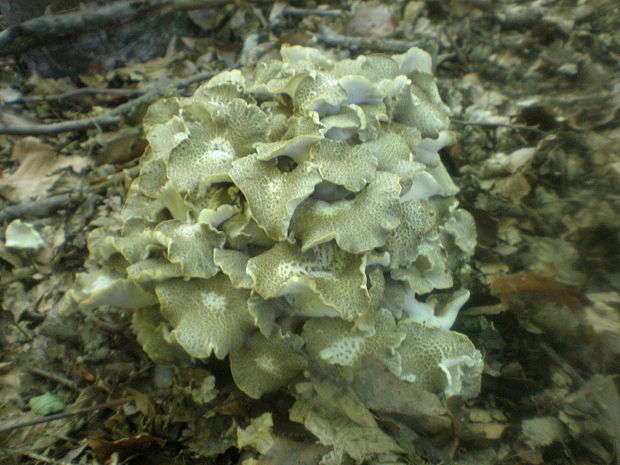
(297, 215)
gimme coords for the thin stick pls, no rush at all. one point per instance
(381, 45)
(43, 208)
(108, 118)
(78, 93)
(98, 185)
(39, 208)
(55, 377)
(40, 458)
(499, 125)
(18, 274)
(293, 11)
(49, 28)
(563, 364)
(81, 411)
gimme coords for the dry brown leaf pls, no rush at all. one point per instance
(372, 19)
(287, 452)
(488, 431)
(39, 167)
(124, 447)
(528, 286)
(592, 415)
(513, 187)
(602, 325)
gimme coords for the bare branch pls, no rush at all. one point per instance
(293, 11)
(49, 28)
(38, 208)
(483, 124)
(109, 118)
(332, 39)
(39, 457)
(44, 207)
(58, 416)
(60, 379)
(78, 93)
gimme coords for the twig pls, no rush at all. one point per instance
(18, 274)
(109, 118)
(78, 93)
(458, 50)
(292, 11)
(49, 28)
(43, 208)
(81, 411)
(381, 45)
(39, 457)
(499, 125)
(562, 363)
(55, 377)
(97, 185)
(38, 208)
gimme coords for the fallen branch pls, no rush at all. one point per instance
(559, 360)
(50, 28)
(108, 118)
(332, 39)
(60, 379)
(44, 207)
(73, 93)
(483, 124)
(325, 12)
(281, 9)
(38, 208)
(39, 457)
(18, 274)
(81, 411)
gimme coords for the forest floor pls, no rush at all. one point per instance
(534, 89)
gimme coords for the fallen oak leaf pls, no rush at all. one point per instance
(103, 449)
(530, 286)
(39, 168)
